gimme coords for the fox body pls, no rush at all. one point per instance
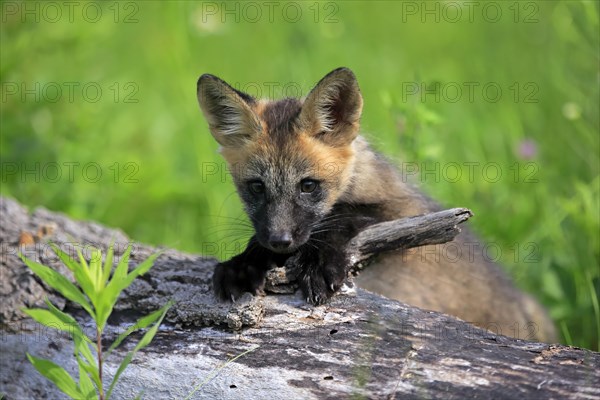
(310, 182)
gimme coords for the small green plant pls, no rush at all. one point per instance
(97, 294)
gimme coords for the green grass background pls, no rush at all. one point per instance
(542, 213)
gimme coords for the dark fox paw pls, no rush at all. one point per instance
(232, 279)
(320, 282)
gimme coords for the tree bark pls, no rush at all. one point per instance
(358, 344)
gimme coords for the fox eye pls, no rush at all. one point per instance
(257, 187)
(308, 185)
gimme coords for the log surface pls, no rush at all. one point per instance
(358, 344)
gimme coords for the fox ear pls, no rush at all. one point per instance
(332, 109)
(230, 117)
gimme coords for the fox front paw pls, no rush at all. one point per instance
(232, 279)
(320, 282)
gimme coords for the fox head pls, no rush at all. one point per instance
(291, 159)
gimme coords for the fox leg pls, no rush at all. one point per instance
(323, 273)
(245, 272)
(323, 259)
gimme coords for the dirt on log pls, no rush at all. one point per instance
(359, 344)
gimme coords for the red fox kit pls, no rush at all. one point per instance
(309, 183)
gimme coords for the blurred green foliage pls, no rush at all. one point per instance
(464, 92)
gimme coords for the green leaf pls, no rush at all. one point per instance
(48, 319)
(149, 335)
(67, 319)
(120, 370)
(65, 258)
(140, 324)
(86, 387)
(92, 370)
(108, 263)
(79, 337)
(113, 289)
(96, 273)
(118, 283)
(142, 268)
(144, 341)
(81, 274)
(54, 318)
(82, 259)
(123, 265)
(82, 347)
(57, 375)
(59, 283)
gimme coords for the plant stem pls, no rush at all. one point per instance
(99, 351)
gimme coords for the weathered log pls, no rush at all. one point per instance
(357, 344)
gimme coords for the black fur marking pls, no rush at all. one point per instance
(321, 259)
(245, 272)
(336, 71)
(246, 97)
(280, 115)
(208, 77)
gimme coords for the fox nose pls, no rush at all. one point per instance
(280, 241)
